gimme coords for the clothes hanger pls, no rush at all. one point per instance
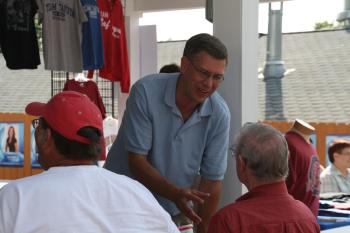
(80, 77)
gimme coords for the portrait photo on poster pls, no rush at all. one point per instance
(11, 143)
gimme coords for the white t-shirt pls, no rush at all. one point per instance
(80, 199)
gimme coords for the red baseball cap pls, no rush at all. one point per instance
(67, 112)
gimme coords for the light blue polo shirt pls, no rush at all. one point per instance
(152, 126)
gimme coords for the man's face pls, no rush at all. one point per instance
(201, 76)
(41, 140)
(342, 158)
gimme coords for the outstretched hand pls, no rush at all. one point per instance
(183, 198)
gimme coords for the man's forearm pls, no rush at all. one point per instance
(144, 172)
(209, 207)
(150, 177)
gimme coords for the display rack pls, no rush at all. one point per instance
(106, 89)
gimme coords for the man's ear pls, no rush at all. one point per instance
(45, 136)
(241, 162)
(184, 64)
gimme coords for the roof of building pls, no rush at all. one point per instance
(314, 87)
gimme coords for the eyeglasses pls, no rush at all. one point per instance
(205, 74)
(233, 150)
(35, 123)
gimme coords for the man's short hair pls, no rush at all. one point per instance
(264, 149)
(337, 146)
(75, 150)
(76, 123)
(205, 42)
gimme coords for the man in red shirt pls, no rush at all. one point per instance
(261, 154)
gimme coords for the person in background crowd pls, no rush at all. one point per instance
(170, 68)
(175, 132)
(11, 140)
(336, 177)
(73, 195)
(261, 155)
(303, 181)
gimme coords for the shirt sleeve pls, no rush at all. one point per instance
(8, 208)
(81, 13)
(138, 123)
(214, 162)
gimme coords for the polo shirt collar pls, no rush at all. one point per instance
(205, 109)
(336, 171)
(278, 188)
(170, 91)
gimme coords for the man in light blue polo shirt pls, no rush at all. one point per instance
(175, 130)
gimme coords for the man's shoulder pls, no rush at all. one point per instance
(219, 104)
(153, 84)
(23, 183)
(152, 80)
(243, 210)
(122, 180)
(232, 210)
(327, 172)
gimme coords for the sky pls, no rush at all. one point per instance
(298, 15)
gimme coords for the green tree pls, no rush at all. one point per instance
(323, 25)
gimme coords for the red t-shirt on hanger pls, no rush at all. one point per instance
(116, 63)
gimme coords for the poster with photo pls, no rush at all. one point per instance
(330, 139)
(33, 149)
(11, 143)
(313, 140)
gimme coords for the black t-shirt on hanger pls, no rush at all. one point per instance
(18, 39)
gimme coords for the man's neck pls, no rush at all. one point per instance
(343, 170)
(254, 182)
(184, 104)
(63, 162)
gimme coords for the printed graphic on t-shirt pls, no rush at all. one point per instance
(91, 11)
(105, 20)
(313, 183)
(106, 24)
(116, 32)
(59, 10)
(18, 15)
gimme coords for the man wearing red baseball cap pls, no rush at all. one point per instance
(73, 194)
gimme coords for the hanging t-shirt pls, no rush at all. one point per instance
(116, 65)
(88, 88)
(303, 181)
(62, 34)
(18, 40)
(92, 38)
